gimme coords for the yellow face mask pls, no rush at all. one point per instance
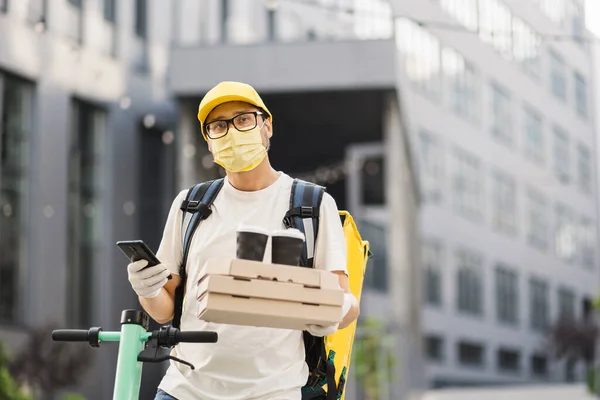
(239, 151)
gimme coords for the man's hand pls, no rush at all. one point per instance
(147, 282)
(318, 330)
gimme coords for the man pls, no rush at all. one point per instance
(247, 362)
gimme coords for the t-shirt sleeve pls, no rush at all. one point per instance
(170, 251)
(330, 248)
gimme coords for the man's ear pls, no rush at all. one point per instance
(269, 128)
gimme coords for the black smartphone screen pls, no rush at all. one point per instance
(136, 250)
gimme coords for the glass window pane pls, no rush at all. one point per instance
(561, 152)
(565, 234)
(431, 167)
(495, 26)
(461, 84)
(539, 312)
(533, 139)
(84, 211)
(504, 203)
(16, 114)
(464, 11)
(431, 257)
(537, 219)
(421, 51)
(558, 77)
(507, 295)
(581, 97)
(469, 282)
(468, 185)
(502, 119)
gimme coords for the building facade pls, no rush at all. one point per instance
(85, 147)
(497, 103)
(509, 215)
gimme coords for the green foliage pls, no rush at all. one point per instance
(9, 390)
(372, 358)
(73, 396)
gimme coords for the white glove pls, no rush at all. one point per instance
(147, 283)
(319, 331)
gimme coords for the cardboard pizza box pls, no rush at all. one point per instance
(232, 310)
(246, 269)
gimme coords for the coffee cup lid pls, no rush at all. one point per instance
(253, 229)
(290, 232)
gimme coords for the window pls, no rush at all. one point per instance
(566, 303)
(141, 18)
(371, 172)
(502, 126)
(376, 275)
(539, 309)
(584, 168)
(507, 295)
(539, 365)
(470, 354)
(577, 16)
(84, 213)
(421, 51)
(533, 142)
(537, 219)
(565, 234)
(432, 269)
(469, 282)
(504, 203)
(495, 26)
(434, 347)
(587, 243)
(556, 10)
(373, 20)
(558, 76)
(561, 154)
(570, 364)
(581, 97)
(526, 47)
(464, 11)
(431, 166)
(110, 10)
(468, 185)
(509, 360)
(16, 111)
(461, 82)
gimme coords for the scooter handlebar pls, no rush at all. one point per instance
(196, 337)
(70, 335)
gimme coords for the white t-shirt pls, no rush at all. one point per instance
(246, 362)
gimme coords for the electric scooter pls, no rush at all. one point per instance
(136, 346)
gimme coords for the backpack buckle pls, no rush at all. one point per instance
(190, 205)
(306, 212)
(193, 205)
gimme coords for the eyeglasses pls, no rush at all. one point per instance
(242, 122)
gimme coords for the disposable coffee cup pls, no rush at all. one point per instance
(251, 242)
(286, 246)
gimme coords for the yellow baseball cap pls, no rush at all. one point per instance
(229, 91)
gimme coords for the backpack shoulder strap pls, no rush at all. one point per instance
(196, 207)
(305, 203)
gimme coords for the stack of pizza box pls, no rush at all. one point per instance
(243, 292)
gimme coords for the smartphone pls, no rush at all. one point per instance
(136, 250)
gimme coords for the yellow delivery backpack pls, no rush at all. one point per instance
(328, 358)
